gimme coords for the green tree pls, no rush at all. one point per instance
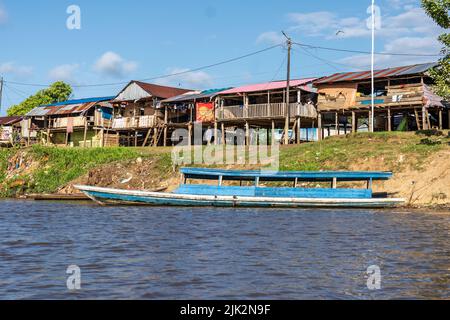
(57, 92)
(439, 11)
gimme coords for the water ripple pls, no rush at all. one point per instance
(195, 253)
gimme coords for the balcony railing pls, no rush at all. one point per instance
(265, 110)
(135, 122)
(65, 122)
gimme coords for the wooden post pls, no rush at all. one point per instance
(319, 127)
(389, 115)
(223, 140)
(147, 137)
(135, 138)
(216, 133)
(67, 139)
(85, 132)
(440, 120)
(448, 115)
(337, 126)
(353, 122)
(371, 128)
(273, 132)
(155, 137)
(29, 132)
(166, 120)
(190, 134)
(299, 130)
(424, 119)
(247, 133)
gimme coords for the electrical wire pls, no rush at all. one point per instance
(366, 52)
(159, 77)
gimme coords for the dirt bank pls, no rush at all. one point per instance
(421, 170)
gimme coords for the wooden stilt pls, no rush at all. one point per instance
(147, 137)
(336, 123)
(190, 135)
(273, 132)
(155, 137)
(353, 122)
(440, 120)
(247, 133)
(319, 127)
(85, 132)
(389, 118)
(299, 130)
(223, 139)
(216, 133)
(424, 119)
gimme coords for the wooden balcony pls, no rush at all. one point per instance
(60, 123)
(142, 122)
(266, 111)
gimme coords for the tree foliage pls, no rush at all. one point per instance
(57, 92)
(439, 11)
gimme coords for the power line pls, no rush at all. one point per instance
(367, 52)
(158, 77)
(330, 63)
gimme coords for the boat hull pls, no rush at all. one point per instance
(106, 196)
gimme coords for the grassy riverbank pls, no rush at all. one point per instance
(421, 165)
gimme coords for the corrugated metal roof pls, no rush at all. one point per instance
(384, 73)
(195, 95)
(270, 86)
(6, 121)
(69, 107)
(153, 90)
(79, 101)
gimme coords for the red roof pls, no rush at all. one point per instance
(6, 121)
(161, 91)
(270, 86)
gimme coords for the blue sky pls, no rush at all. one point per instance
(134, 39)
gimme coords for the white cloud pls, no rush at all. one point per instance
(12, 68)
(65, 72)
(191, 80)
(3, 15)
(314, 22)
(407, 29)
(271, 37)
(113, 65)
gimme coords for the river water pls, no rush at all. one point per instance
(204, 253)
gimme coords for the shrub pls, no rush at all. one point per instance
(430, 133)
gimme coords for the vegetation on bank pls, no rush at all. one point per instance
(340, 153)
(48, 169)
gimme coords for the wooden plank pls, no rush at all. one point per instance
(147, 137)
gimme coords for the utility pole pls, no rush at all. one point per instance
(288, 87)
(372, 120)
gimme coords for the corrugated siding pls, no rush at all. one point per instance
(132, 92)
(384, 73)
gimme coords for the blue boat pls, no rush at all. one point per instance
(251, 189)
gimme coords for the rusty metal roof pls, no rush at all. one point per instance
(7, 121)
(69, 107)
(384, 73)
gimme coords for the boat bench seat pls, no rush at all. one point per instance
(324, 193)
